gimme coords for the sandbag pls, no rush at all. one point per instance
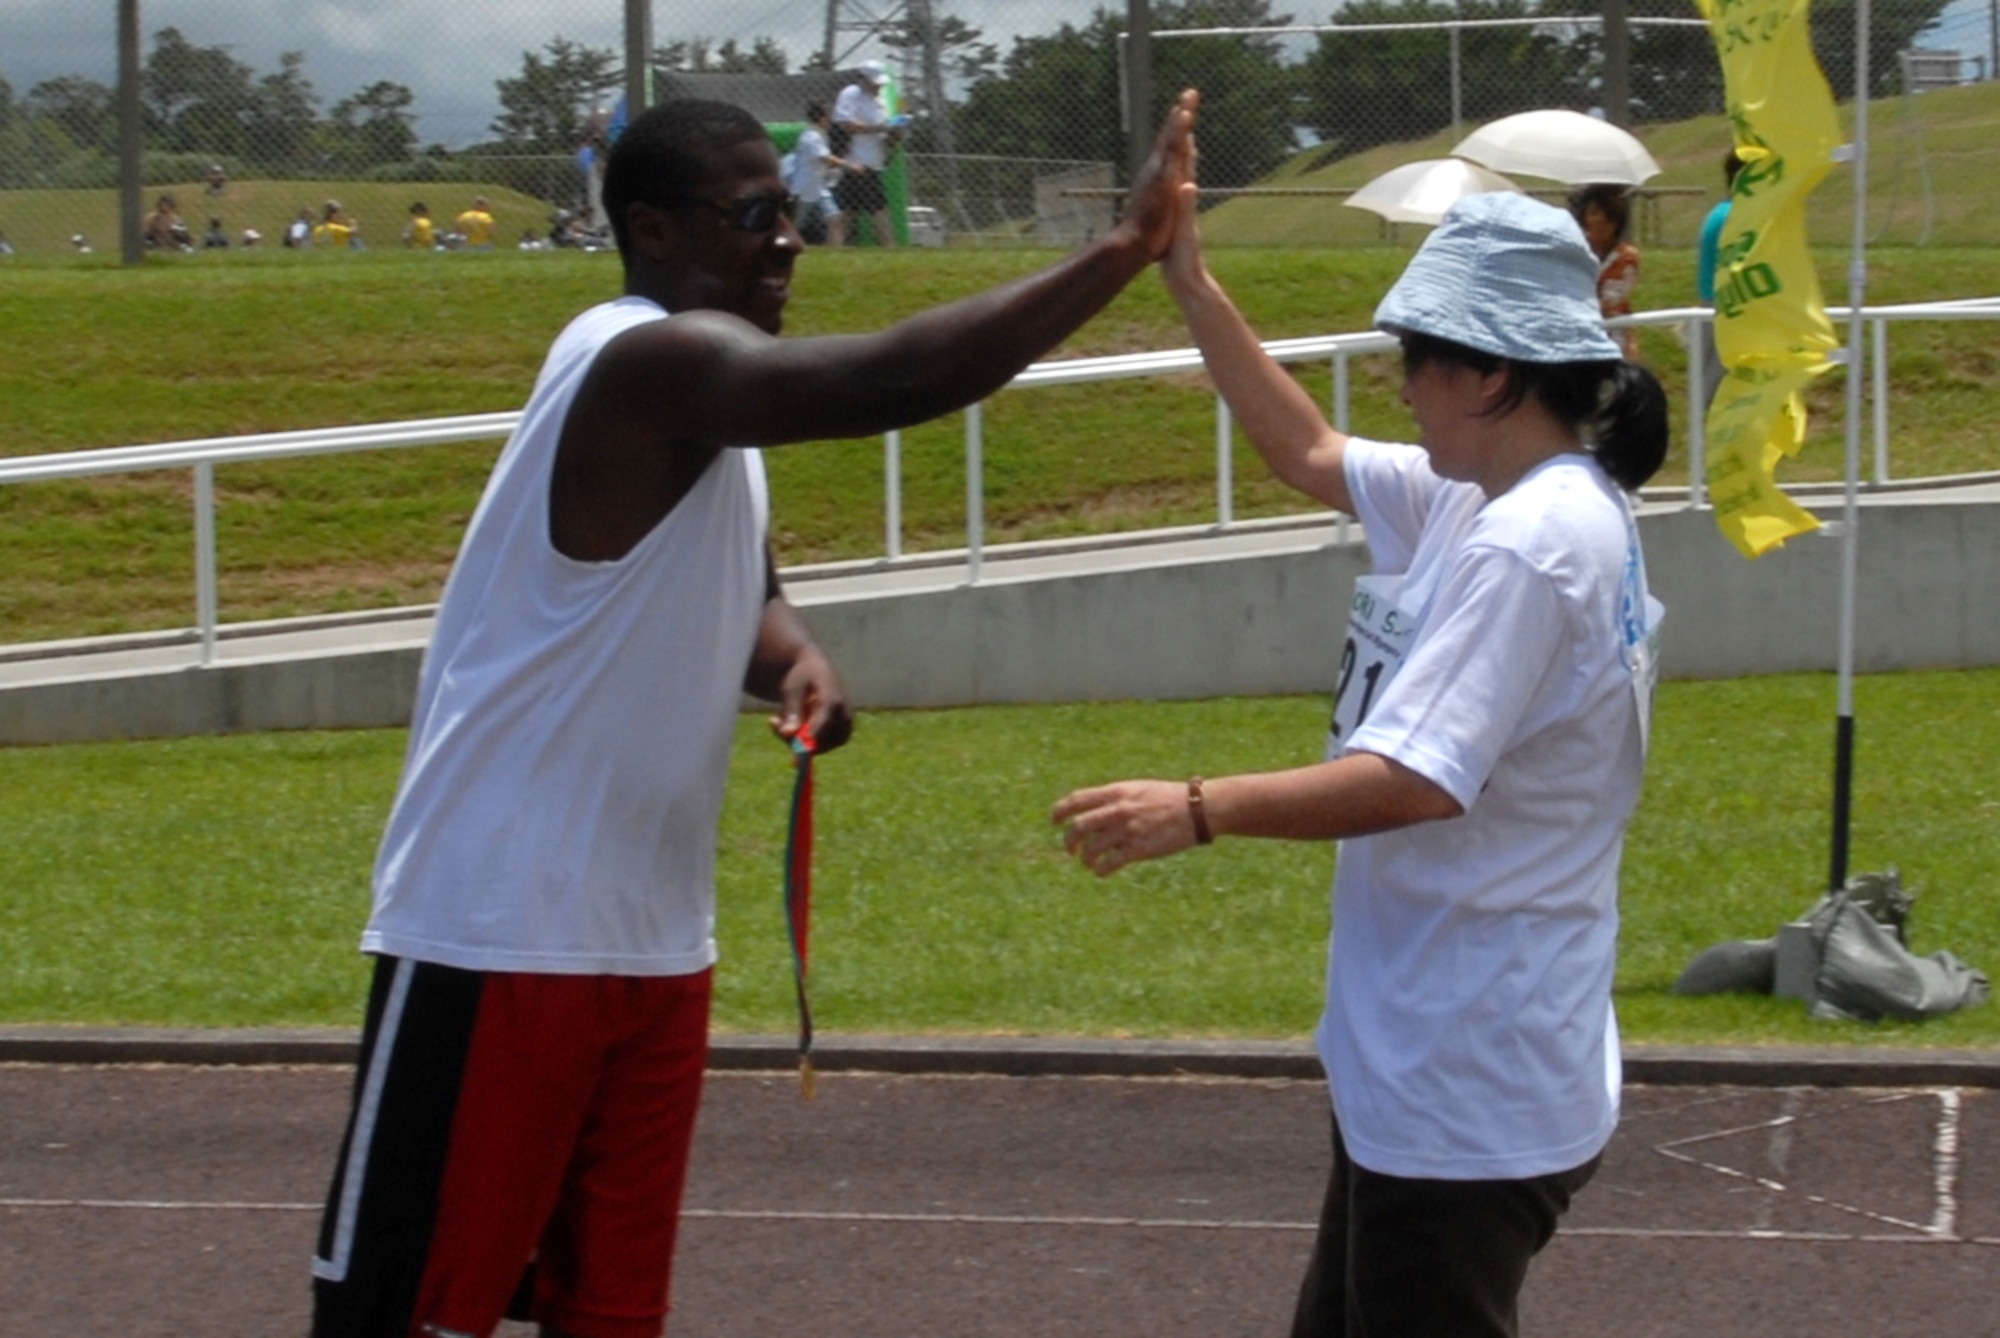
(1848, 956)
(1740, 966)
(1866, 974)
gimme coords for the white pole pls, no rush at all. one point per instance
(1340, 398)
(892, 486)
(1857, 296)
(1700, 335)
(205, 600)
(1225, 480)
(975, 493)
(1878, 367)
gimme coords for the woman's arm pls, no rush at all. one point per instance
(1280, 419)
(1358, 795)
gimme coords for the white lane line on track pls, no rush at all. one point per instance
(1944, 1153)
(1019, 1220)
(1944, 1162)
(167, 1205)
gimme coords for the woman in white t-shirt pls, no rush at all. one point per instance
(1488, 738)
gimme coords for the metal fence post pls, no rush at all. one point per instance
(1225, 474)
(975, 491)
(1879, 388)
(204, 558)
(131, 134)
(1698, 398)
(892, 490)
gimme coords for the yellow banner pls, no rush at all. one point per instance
(1771, 328)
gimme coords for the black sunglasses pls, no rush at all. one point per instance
(751, 213)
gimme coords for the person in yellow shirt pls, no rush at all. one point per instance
(420, 234)
(336, 229)
(476, 225)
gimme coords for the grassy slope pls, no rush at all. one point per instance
(1946, 137)
(198, 346)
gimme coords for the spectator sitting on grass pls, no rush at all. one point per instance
(476, 225)
(420, 234)
(336, 229)
(164, 229)
(215, 239)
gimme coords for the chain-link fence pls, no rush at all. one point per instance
(1018, 109)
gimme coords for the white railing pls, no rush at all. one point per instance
(203, 455)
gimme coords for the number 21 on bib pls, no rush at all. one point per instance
(1378, 637)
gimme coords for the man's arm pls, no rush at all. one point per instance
(710, 379)
(788, 667)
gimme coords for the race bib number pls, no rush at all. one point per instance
(1378, 637)
(1639, 618)
(1642, 659)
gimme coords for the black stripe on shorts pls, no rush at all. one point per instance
(383, 1201)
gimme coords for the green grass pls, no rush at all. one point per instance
(184, 348)
(40, 223)
(223, 881)
(1943, 140)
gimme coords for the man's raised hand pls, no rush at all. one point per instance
(1153, 207)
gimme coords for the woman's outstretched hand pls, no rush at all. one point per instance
(1111, 826)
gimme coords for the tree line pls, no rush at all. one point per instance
(1051, 95)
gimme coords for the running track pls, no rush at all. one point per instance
(181, 1200)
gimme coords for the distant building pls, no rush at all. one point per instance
(1927, 70)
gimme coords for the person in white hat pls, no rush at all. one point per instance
(1488, 738)
(870, 132)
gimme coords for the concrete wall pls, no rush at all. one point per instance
(1927, 593)
(1928, 597)
(1238, 626)
(1124, 627)
(363, 690)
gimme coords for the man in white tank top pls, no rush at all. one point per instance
(544, 894)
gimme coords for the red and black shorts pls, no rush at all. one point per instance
(518, 1147)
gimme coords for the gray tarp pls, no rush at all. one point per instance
(1847, 957)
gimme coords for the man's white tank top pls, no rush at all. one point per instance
(572, 728)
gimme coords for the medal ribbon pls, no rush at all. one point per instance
(798, 892)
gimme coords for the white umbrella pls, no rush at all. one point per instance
(1420, 192)
(1561, 145)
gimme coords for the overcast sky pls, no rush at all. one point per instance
(450, 54)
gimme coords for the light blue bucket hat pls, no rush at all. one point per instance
(1507, 275)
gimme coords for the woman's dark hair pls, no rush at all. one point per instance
(1618, 407)
(1615, 201)
(670, 149)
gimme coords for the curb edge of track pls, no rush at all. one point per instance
(1033, 1056)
